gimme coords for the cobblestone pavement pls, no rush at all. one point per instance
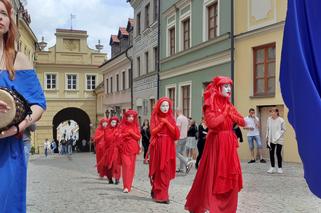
(60, 184)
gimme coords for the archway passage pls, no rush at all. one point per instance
(80, 117)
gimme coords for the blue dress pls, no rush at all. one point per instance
(13, 170)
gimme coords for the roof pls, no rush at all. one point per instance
(113, 39)
(122, 31)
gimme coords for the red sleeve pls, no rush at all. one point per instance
(237, 117)
(213, 120)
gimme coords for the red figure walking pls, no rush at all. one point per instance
(219, 177)
(129, 147)
(162, 165)
(100, 146)
(111, 159)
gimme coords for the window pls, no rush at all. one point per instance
(138, 23)
(107, 88)
(172, 41)
(138, 66)
(186, 34)
(147, 15)
(264, 70)
(155, 10)
(171, 95)
(146, 62)
(51, 81)
(124, 80)
(117, 83)
(111, 84)
(186, 100)
(71, 81)
(91, 82)
(155, 49)
(212, 20)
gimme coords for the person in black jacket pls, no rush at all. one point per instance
(202, 132)
(238, 132)
(145, 131)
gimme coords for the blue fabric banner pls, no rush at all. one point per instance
(301, 83)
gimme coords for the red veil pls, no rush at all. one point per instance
(129, 143)
(167, 147)
(100, 146)
(219, 171)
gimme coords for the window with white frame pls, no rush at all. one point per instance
(51, 81)
(186, 100)
(171, 93)
(71, 81)
(107, 85)
(211, 19)
(90, 82)
(171, 35)
(186, 34)
(124, 80)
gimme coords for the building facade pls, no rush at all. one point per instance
(117, 73)
(145, 55)
(195, 47)
(68, 72)
(258, 42)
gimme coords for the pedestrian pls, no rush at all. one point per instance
(182, 124)
(111, 154)
(46, 145)
(16, 73)
(27, 140)
(253, 134)
(145, 132)
(100, 146)
(202, 133)
(275, 139)
(162, 165)
(191, 142)
(219, 177)
(129, 147)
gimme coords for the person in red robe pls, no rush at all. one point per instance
(219, 177)
(162, 164)
(112, 159)
(99, 140)
(129, 147)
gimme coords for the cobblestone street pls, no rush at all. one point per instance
(61, 184)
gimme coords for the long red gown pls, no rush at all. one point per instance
(100, 147)
(129, 147)
(111, 158)
(162, 164)
(219, 177)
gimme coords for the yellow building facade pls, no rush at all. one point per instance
(258, 42)
(68, 72)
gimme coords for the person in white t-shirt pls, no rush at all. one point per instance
(182, 124)
(275, 139)
(253, 134)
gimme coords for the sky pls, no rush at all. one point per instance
(100, 18)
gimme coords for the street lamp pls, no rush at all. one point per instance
(42, 44)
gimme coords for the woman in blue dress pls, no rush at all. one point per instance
(16, 72)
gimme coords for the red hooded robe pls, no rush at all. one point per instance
(129, 147)
(99, 140)
(162, 164)
(219, 177)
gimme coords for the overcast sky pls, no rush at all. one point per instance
(100, 18)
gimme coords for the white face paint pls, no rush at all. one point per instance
(164, 108)
(226, 90)
(113, 123)
(130, 118)
(105, 124)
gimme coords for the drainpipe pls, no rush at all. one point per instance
(232, 48)
(131, 78)
(158, 49)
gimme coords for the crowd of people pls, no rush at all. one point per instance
(211, 145)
